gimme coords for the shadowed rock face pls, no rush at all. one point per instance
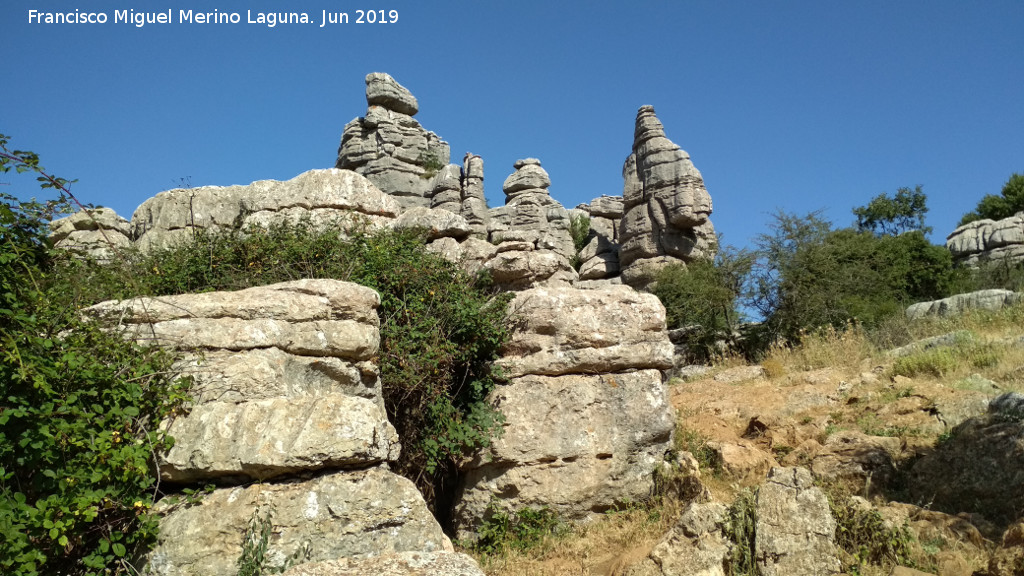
(666, 205)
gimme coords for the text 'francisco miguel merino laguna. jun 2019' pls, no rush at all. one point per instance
(269, 19)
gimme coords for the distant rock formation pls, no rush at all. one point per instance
(993, 299)
(988, 241)
(287, 394)
(389, 147)
(97, 231)
(666, 205)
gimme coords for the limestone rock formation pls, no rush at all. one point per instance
(97, 231)
(587, 419)
(600, 257)
(795, 530)
(993, 482)
(957, 304)
(286, 392)
(437, 223)
(358, 513)
(988, 240)
(389, 147)
(665, 203)
(332, 197)
(400, 564)
(694, 547)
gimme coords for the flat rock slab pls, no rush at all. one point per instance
(402, 564)
(356, 514)
(266, 439)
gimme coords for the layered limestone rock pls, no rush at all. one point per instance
(666, 206)
(390, 148)
(988, 240)
(993, 299)
(286, 393)
(531, 232)
(586, 414)
(332, 197)
(600, 257)
(98, 232)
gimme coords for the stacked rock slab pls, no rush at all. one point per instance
(98, 232)
(600, 257)
(389, 147)
(332, 197)
(531, 232)
(665, 203)
(586, 415)
(287, 419)
(988, 240)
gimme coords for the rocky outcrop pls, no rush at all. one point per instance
(401, 564)
(795, 530)
(338, 198)
(286, 393)
(666, 206)
(978, 468)
(389, 147)
(586, 417)
(993, 299)
(694, 547)
(98, 232)
(988, 240)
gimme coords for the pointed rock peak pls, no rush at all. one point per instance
(383, 90)
(647, 126)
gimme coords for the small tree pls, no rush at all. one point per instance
(1009, 202)
(886, 215)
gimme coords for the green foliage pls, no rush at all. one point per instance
(79, 412)
(431, 164)
(941, 360)
(692, 441)
(811, 276)
(1009, 202)
(440, 329)
(864, 535)
(253, 561)
(895, 215)
(579, 229)
(519, 530)
(741, 529)
(702, 296)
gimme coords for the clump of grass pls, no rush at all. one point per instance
(844, 347)
(740, 529)
(963, 354)
(692, 441)
(773, 368)
(866, 538)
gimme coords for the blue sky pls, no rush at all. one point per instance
(781, 104)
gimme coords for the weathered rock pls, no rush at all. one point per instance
(98, 232)
(577, 444)
(522, 269)
(390, 148)
(571, 331)
(856, 459)
(354, 514)
(447, 248)
(742, 462)
(337, 198)
(437, 223)
(401, 564)
(988, 240)
(665, 202)
(264, 439)
(695, 546)
(795, 530)
(382, 90)
(993, 299)
(977, 469)
(1008, 559)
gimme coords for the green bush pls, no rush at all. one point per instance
(518, 530)
(740, 529)
(440, 329)
(79, 413)
(864, 535)
(1009, 202)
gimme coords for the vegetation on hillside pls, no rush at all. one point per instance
(1009, 201)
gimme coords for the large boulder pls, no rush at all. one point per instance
(586, 414)
(666, 206)
(99, 232)
(348, 514)
(400, 564)
(993, 299)
(338, 198)
(988, 240)
(795, 530)
(978, 468)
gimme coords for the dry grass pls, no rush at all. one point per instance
(826, 348)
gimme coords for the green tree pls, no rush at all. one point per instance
(894, 215)
(1006, 204)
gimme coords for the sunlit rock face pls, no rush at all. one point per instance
(666, 207)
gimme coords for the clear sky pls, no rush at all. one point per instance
(781, 104)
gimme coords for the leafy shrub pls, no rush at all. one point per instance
(79, 412)
(864, 535)
(1009, 202)
(741, 529)
(518, 530)
(440, 329)
(579, 229)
